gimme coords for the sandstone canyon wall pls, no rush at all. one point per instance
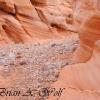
(34, 20)
(29, 21)
(86, 21)
(81, 81)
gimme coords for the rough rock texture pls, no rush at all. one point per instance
(35, 66)
(29, 65)
(34, 20)
(81, 81)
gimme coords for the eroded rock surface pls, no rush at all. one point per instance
(34, 66)
(34, 20)
(87, 22)
(29, 65)
(81, 81)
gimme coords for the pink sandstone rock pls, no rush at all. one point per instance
(23, 21)
(36, 20)
(81, 81)
(87, 20)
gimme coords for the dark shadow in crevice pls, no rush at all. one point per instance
(57, 27)
(35, 3)
(12, 34)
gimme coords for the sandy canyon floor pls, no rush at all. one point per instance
(49, 49)
(34, 65)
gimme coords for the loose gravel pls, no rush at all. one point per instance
(37, 64)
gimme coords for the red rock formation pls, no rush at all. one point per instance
(88, 34)
(81, 81)
(87, 20)
(39, 20)
(34, 20)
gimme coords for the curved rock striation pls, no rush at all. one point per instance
(34, 20)
(81, 81)
(28, 21)
(87, 20)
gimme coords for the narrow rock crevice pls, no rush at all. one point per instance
(10, 31)
(7, 7)
(20, 22)
(38, 2)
